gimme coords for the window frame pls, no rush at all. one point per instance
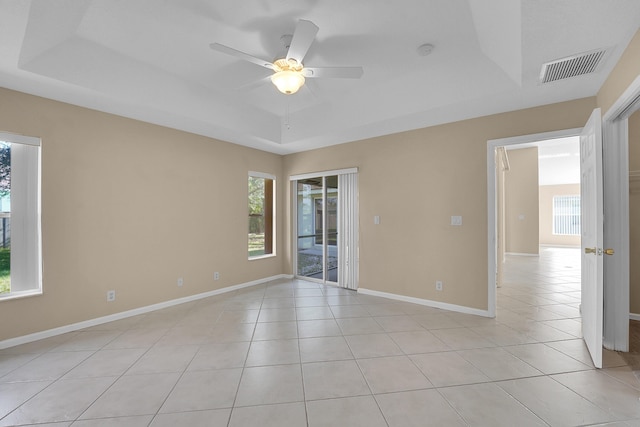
(269, 215)
(33, 217)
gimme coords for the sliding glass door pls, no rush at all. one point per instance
(326, 227)
(317, 228)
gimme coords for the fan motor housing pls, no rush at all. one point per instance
(284, 64)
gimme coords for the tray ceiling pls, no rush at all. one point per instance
(151, 61)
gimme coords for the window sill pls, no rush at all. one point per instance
(253, 258)
(19, 295)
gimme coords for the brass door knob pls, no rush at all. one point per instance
(590, 250)
(608, 251)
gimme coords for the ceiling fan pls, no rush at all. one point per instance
(289, 72)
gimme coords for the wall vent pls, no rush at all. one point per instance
(572, 66)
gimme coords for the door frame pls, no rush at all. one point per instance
(492, 212)
(615, 130)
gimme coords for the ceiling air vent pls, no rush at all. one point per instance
(571, 66)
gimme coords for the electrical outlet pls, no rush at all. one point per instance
(111, 296)
(180, 281)
(438, 285)
(216, 276)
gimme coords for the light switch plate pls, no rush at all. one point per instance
(456, 220)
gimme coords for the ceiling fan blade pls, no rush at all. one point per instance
(244, 56)
(303, 36)
(333, 72)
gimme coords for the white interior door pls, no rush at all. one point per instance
(592, 235)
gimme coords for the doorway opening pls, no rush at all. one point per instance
(524, 219)
(538, 203)
(539, 262)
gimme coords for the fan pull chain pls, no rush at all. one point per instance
(287, 117)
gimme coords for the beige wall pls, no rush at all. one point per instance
(131, 206)
(546, 193)
(634, 213)
(415, 181)
(625, 72)
(521, 202)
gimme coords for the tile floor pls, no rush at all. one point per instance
(293, 353)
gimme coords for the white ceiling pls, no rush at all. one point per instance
(150, 60)
(559, 161)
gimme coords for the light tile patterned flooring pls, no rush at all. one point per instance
(293, 353)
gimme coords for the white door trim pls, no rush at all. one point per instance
(616, 216)
(492, 216)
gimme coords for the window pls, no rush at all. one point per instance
(261, 214)
(566, 215)
(20, 248)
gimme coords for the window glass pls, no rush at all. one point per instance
(20, 247)
(261, 206)
(5, 217)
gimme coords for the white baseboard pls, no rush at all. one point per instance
(634, 316)
(11, 342)
(520, 254)
(429, 303)
(550, 245)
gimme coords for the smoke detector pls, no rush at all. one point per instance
(425, 49)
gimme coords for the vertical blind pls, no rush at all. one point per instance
(566, 215)
(348, 230)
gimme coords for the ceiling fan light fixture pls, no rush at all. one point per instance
(288, 81)
(288, 71)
